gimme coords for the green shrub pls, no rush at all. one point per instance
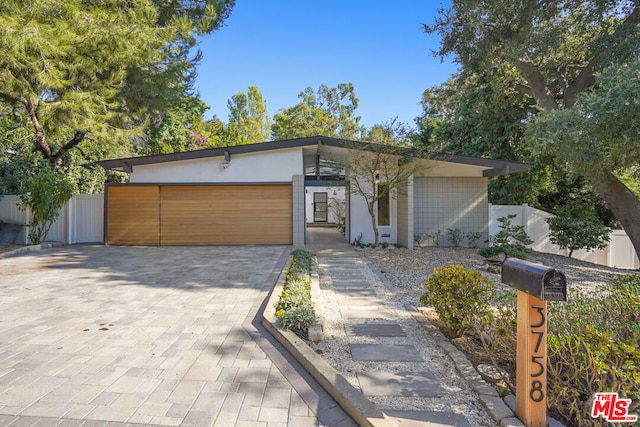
(473, 237)
(454, 235)
(460, 296)
(511, 241)
(594, 346)
(573, 229)
(435, 237)
(298, 318)
(294, 309)
(44, 195)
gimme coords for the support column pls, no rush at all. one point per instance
(299, 222)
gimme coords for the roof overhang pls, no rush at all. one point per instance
(312, 146)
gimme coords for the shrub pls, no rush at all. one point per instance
(294, 309)
(572, 229)
(511, 241)
(298, 318)
(435, 237)
(594, 345)
(460, 296)
(473, 237)
(454, 235)
(44, 195)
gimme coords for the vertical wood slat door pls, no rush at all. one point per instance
(133, 215)
(226, 214)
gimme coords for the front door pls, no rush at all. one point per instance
(319, 207)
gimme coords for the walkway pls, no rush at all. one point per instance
(394, 360)
(106, 336)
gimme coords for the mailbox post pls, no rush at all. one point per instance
(536, 284)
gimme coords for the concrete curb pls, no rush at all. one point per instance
(31, 248)
(348, 397)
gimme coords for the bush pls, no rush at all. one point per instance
(298, 318)
(572, 229)
(454, 235)
(44, 195)
(594, 346)
(473, 237)
(511, 241)
(294, 309)
(460, 296)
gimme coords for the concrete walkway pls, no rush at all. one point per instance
(367, 314)
(113, 336)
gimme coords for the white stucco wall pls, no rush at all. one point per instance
(361, 222)
(266, 166)
(333, 193)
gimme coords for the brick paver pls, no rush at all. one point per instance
(162, 336)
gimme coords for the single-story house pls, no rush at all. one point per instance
(262, 194)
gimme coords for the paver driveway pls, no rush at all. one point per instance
(145, 335)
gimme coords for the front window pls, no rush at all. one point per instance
(384, 205)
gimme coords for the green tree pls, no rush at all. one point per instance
(330, 112)
(43, 196)
(557, 48)
(249, 121)
(573, 228)
(88, 72)
(480, 114)
(380, 170)
(176, 130)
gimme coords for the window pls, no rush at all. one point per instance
(384, 205)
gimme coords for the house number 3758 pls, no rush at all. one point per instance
(536, 392)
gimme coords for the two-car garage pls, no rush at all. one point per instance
(175, 214)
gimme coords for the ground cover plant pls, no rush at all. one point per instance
(294, 310)
(593, 343)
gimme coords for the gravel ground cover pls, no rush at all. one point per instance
(407, 271)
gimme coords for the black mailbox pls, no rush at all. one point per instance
(542, 282)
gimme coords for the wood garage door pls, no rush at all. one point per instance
(133, 215)
(221, 215)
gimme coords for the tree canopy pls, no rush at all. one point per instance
(92, 71)
(557, 48)
(329, 112)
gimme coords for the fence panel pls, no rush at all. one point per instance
(87, 225)
(81, 219)
(620, 252)
(9, 212)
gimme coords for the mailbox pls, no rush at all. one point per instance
(542, 282)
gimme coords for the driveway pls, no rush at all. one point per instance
(149, 335)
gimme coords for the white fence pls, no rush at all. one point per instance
(81, 219)
(620, 252)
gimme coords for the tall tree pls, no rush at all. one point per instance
(557, 47)
(84, 71)
(249, 121)
(480, 114)
(330, 112)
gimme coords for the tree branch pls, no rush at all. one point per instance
(536, 82)
(39, 135)
(586, 78)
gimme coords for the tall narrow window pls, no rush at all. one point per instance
(384, 205)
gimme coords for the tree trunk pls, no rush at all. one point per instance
(622, 202)
(372, 214)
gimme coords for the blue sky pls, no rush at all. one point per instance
(283, 46)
